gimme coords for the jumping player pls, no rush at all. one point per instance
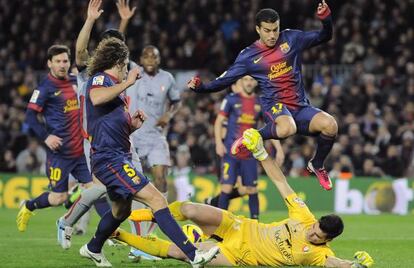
(300, 239)
(275, 62)
(109, 126)
(56, 100)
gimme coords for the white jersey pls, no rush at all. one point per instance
(150, 94)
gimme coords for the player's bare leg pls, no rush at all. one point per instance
(326, 125)
(159, 173)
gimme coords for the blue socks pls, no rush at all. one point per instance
(106, 227)
(325, 144)
(224, 200)
(254, 206)
(171, 228)
(42, 201)
(101, 206)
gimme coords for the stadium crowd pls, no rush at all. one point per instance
(373, 101)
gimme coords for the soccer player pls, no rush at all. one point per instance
(56, 100)
(300, 239)
(275, 62)
(153, 93)
(241, 111)
(109, 126)
(95, 195)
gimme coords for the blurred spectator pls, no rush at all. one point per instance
(181, 174)
(8, 162)
(32, 159)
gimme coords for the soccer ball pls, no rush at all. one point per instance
(193, 232)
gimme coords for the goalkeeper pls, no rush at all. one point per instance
(298, 240)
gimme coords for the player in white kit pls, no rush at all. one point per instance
(156, 94)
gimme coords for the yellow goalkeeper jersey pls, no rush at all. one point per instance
(249, 242)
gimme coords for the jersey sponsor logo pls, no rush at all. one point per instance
(284, 245)
(279, 69)
(98, 80)
(285, 48)
(256, 61)
(35, 96)
(71, 105)
(246, 119)
(57, 93)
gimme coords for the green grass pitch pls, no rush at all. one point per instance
(388, 238)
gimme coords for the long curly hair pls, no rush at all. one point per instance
(110, 52)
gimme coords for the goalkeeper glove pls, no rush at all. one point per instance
(254, 143)
(362, 260)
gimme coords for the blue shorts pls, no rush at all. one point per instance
(59, 168)
(302, 116)
(231, 168)
(121, 178)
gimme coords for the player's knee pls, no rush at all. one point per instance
(330, 127)
(189, 210)
(56, 199)
(251, 190)
(121, 213)
(286, 130)
(226, 188)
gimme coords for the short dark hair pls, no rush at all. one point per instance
(332, 225)
(266, 15)
(56, 50)
(110, 52)
(112, 33)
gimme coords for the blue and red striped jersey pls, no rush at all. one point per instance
(108, 124)
(277, 69)
(57, 100)
(242, 113)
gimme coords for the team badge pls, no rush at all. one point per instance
(98, 80)
(285, 48)
(136, 180)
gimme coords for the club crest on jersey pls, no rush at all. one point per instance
(285, 48)
(98, 80)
